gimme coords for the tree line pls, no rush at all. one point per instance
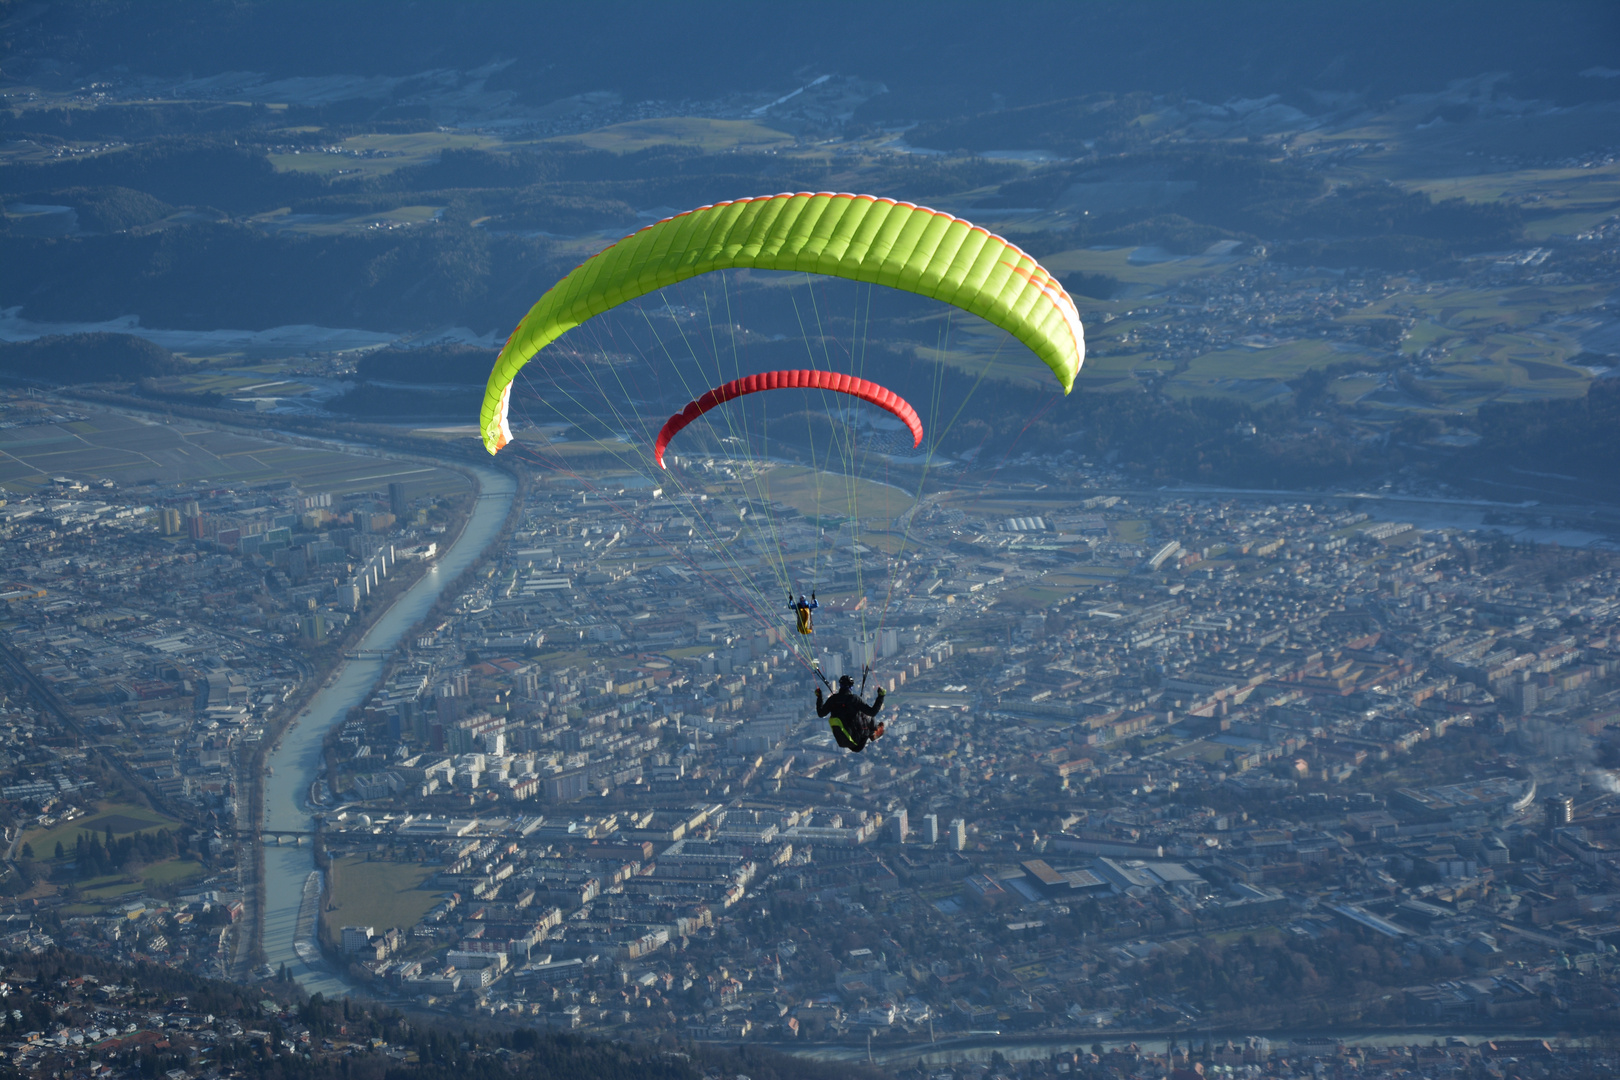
(97, 357)
(96, 857)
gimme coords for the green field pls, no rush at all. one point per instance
(1566, 224)
(125, 818)
(699, 132)
(994, 503)
(811, 492)
(398, 217)
(381, 894)
(394, 152)
(227, 382)
(1553, 189)
(1518, 306)
(1512, 365)
(1258, 374)
(1401, 145)
(629, 454)
(1556, 202)
(1117, 263)
(1348, 389)
(1422, 335)
(1035, 595)
(560, 659)
(172, 871)
(1206, 752)
(991, 353)
(1129, 532)
(169, 872)
(129, 450)
(1118, 372)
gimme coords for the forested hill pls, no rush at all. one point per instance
(170, 1019)
(76, 358)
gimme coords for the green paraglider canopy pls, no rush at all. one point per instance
(866, 239)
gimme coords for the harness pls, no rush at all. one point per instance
(838, 724)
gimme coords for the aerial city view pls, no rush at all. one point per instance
(707, 540)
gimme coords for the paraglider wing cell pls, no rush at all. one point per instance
(877, 241)
(871, 392)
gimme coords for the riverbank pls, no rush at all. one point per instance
(297, 761)
(397, 586)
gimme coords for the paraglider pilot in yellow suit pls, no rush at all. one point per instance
(803, 610)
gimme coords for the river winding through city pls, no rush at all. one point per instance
(290, 909)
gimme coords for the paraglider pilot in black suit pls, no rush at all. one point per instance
(849, 717)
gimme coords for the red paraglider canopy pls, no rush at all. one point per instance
(791, 380)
